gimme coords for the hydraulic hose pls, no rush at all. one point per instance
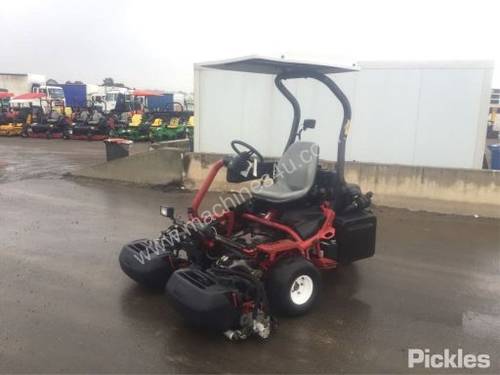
(260, 297)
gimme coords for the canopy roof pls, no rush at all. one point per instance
(30, 95)
(148, 93)
(4, 95)
(267, 65)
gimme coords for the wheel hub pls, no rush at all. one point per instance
(301, 290)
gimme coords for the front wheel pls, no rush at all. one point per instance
(293, 286)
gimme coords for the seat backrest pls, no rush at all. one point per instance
(84, 116)
(298, 165)
(54, 115)
(124, 117)
(136, 119)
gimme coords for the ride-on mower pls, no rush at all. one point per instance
(12, 121)
(234, 270)
(174, 125)
(91, 126)
(141, 132)
(55, 125)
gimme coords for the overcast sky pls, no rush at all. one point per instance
(153, 44)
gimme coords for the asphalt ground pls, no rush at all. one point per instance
(65, 305)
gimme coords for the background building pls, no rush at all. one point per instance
(412, 113)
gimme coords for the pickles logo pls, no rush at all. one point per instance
(447, 359)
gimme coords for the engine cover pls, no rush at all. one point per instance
(203, 301)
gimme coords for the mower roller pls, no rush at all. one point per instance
(233, 270)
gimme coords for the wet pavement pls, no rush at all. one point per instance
(65, 305)
(25, 158)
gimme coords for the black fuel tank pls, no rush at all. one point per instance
(355, 235)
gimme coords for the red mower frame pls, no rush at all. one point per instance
(308, 248)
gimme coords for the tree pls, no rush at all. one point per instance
(108, 81)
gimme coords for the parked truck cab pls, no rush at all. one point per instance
(54, 94)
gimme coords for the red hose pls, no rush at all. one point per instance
(200, 194)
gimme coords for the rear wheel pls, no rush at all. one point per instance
(293, 285)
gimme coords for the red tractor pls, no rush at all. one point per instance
(235, 270)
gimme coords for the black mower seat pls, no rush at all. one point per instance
(295, 175)
(95, 118)
(306, 221)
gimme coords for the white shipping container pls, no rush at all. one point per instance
(413, 113)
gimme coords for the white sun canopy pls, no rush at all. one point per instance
(267, 65)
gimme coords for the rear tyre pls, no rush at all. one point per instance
(293, 286)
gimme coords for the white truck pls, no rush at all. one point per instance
(105, 96)
(19, 84)
(112, 94)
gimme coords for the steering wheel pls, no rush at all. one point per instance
(251, 150)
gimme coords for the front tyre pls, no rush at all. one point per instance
(293, 286)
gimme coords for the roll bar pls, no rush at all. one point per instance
(332, 86)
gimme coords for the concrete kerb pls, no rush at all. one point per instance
(158, 167)
(444, 190)
(453, 191)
